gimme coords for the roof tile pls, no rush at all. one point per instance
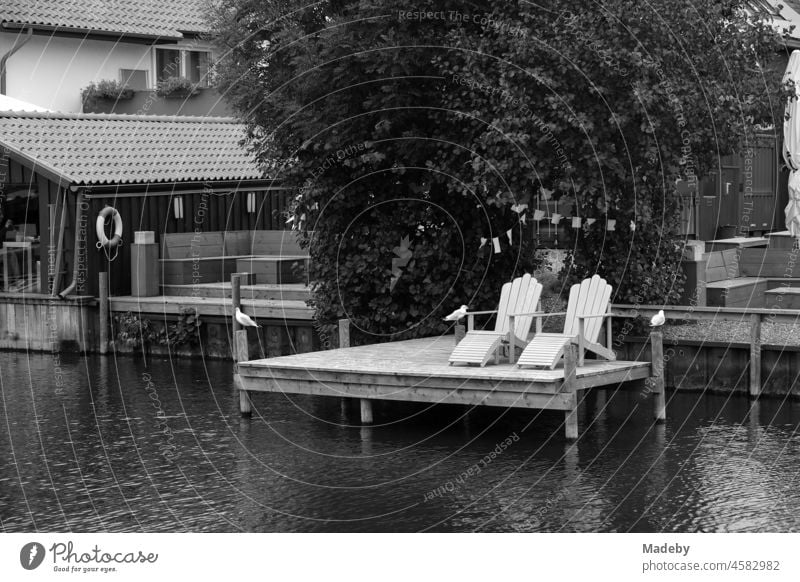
(88, 149)
(158, 18)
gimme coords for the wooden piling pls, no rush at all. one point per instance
(241, 353)
(344, 342)
(755, 355)
(366, 411)
(657, 375)
(570, 380)
(236, 299)
(344, 333)
(103, 306)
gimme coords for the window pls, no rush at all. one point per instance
(135, 79)
(168, 64)
(197, 67)
(190, 64)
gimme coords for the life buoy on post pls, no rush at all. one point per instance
(102, 239)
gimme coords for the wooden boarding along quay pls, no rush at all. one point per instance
(418, 371)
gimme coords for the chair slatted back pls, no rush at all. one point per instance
(589, 297)
(519, 296)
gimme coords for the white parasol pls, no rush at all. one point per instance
(791, 146)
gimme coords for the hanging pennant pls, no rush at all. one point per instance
(519, 208)
(633, 225)
(611, 224)
(576, 222)
(523, 219)
(484, 240)
(546, 194)
(496, 243)
(508, 234)
(590, 221)
(538, 215)
(556, 218)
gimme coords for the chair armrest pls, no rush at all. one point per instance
(539, 313)
(480, 312)
(595, 315)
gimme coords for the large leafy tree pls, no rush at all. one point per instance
(415, 138)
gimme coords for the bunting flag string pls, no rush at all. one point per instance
(496, 243)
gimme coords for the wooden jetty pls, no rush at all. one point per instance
(418, 371)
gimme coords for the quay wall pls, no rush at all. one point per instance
(722, 367)
(41, 323)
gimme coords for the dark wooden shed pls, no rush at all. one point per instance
(162, 174)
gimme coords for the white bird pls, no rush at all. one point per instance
(457, 314)
(658, 319)
(244, 319)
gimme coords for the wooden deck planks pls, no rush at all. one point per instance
(423, 359)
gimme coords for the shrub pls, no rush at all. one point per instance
(176, 88)
(107, 89)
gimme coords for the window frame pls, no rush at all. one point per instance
(184, 63)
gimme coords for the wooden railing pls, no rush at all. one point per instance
(686, 313)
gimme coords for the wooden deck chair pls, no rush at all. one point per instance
(478, 346)
(587, 308)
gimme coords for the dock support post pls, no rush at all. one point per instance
(366, 411)
(241, 353)
(755, 355)
(103, 306)
(657, 375)
(344, 333)
(236, 300)
(344, 342)
(570, 376)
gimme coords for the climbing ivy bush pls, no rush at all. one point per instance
(441, 124)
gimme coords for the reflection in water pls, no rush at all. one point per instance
(124, 447)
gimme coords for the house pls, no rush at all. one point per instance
(162, 174)
(51, 50)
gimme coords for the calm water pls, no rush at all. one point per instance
(91, 456)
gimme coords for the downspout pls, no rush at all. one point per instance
(4, 60)
(77, 252)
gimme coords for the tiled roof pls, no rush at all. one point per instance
(84, 149)
(156, 18)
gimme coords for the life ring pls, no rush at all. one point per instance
(101, 228)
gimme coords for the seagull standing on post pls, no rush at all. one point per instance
(457, 314)
(244, 319)
(658, 319)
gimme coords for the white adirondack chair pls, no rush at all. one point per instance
(479, 346)
(588, 307)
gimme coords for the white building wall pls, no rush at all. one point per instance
(51, 71)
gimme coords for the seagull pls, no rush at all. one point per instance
(457, 314)
(244, 319)
(658, 319)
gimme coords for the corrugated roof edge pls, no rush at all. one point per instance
(118, 117)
